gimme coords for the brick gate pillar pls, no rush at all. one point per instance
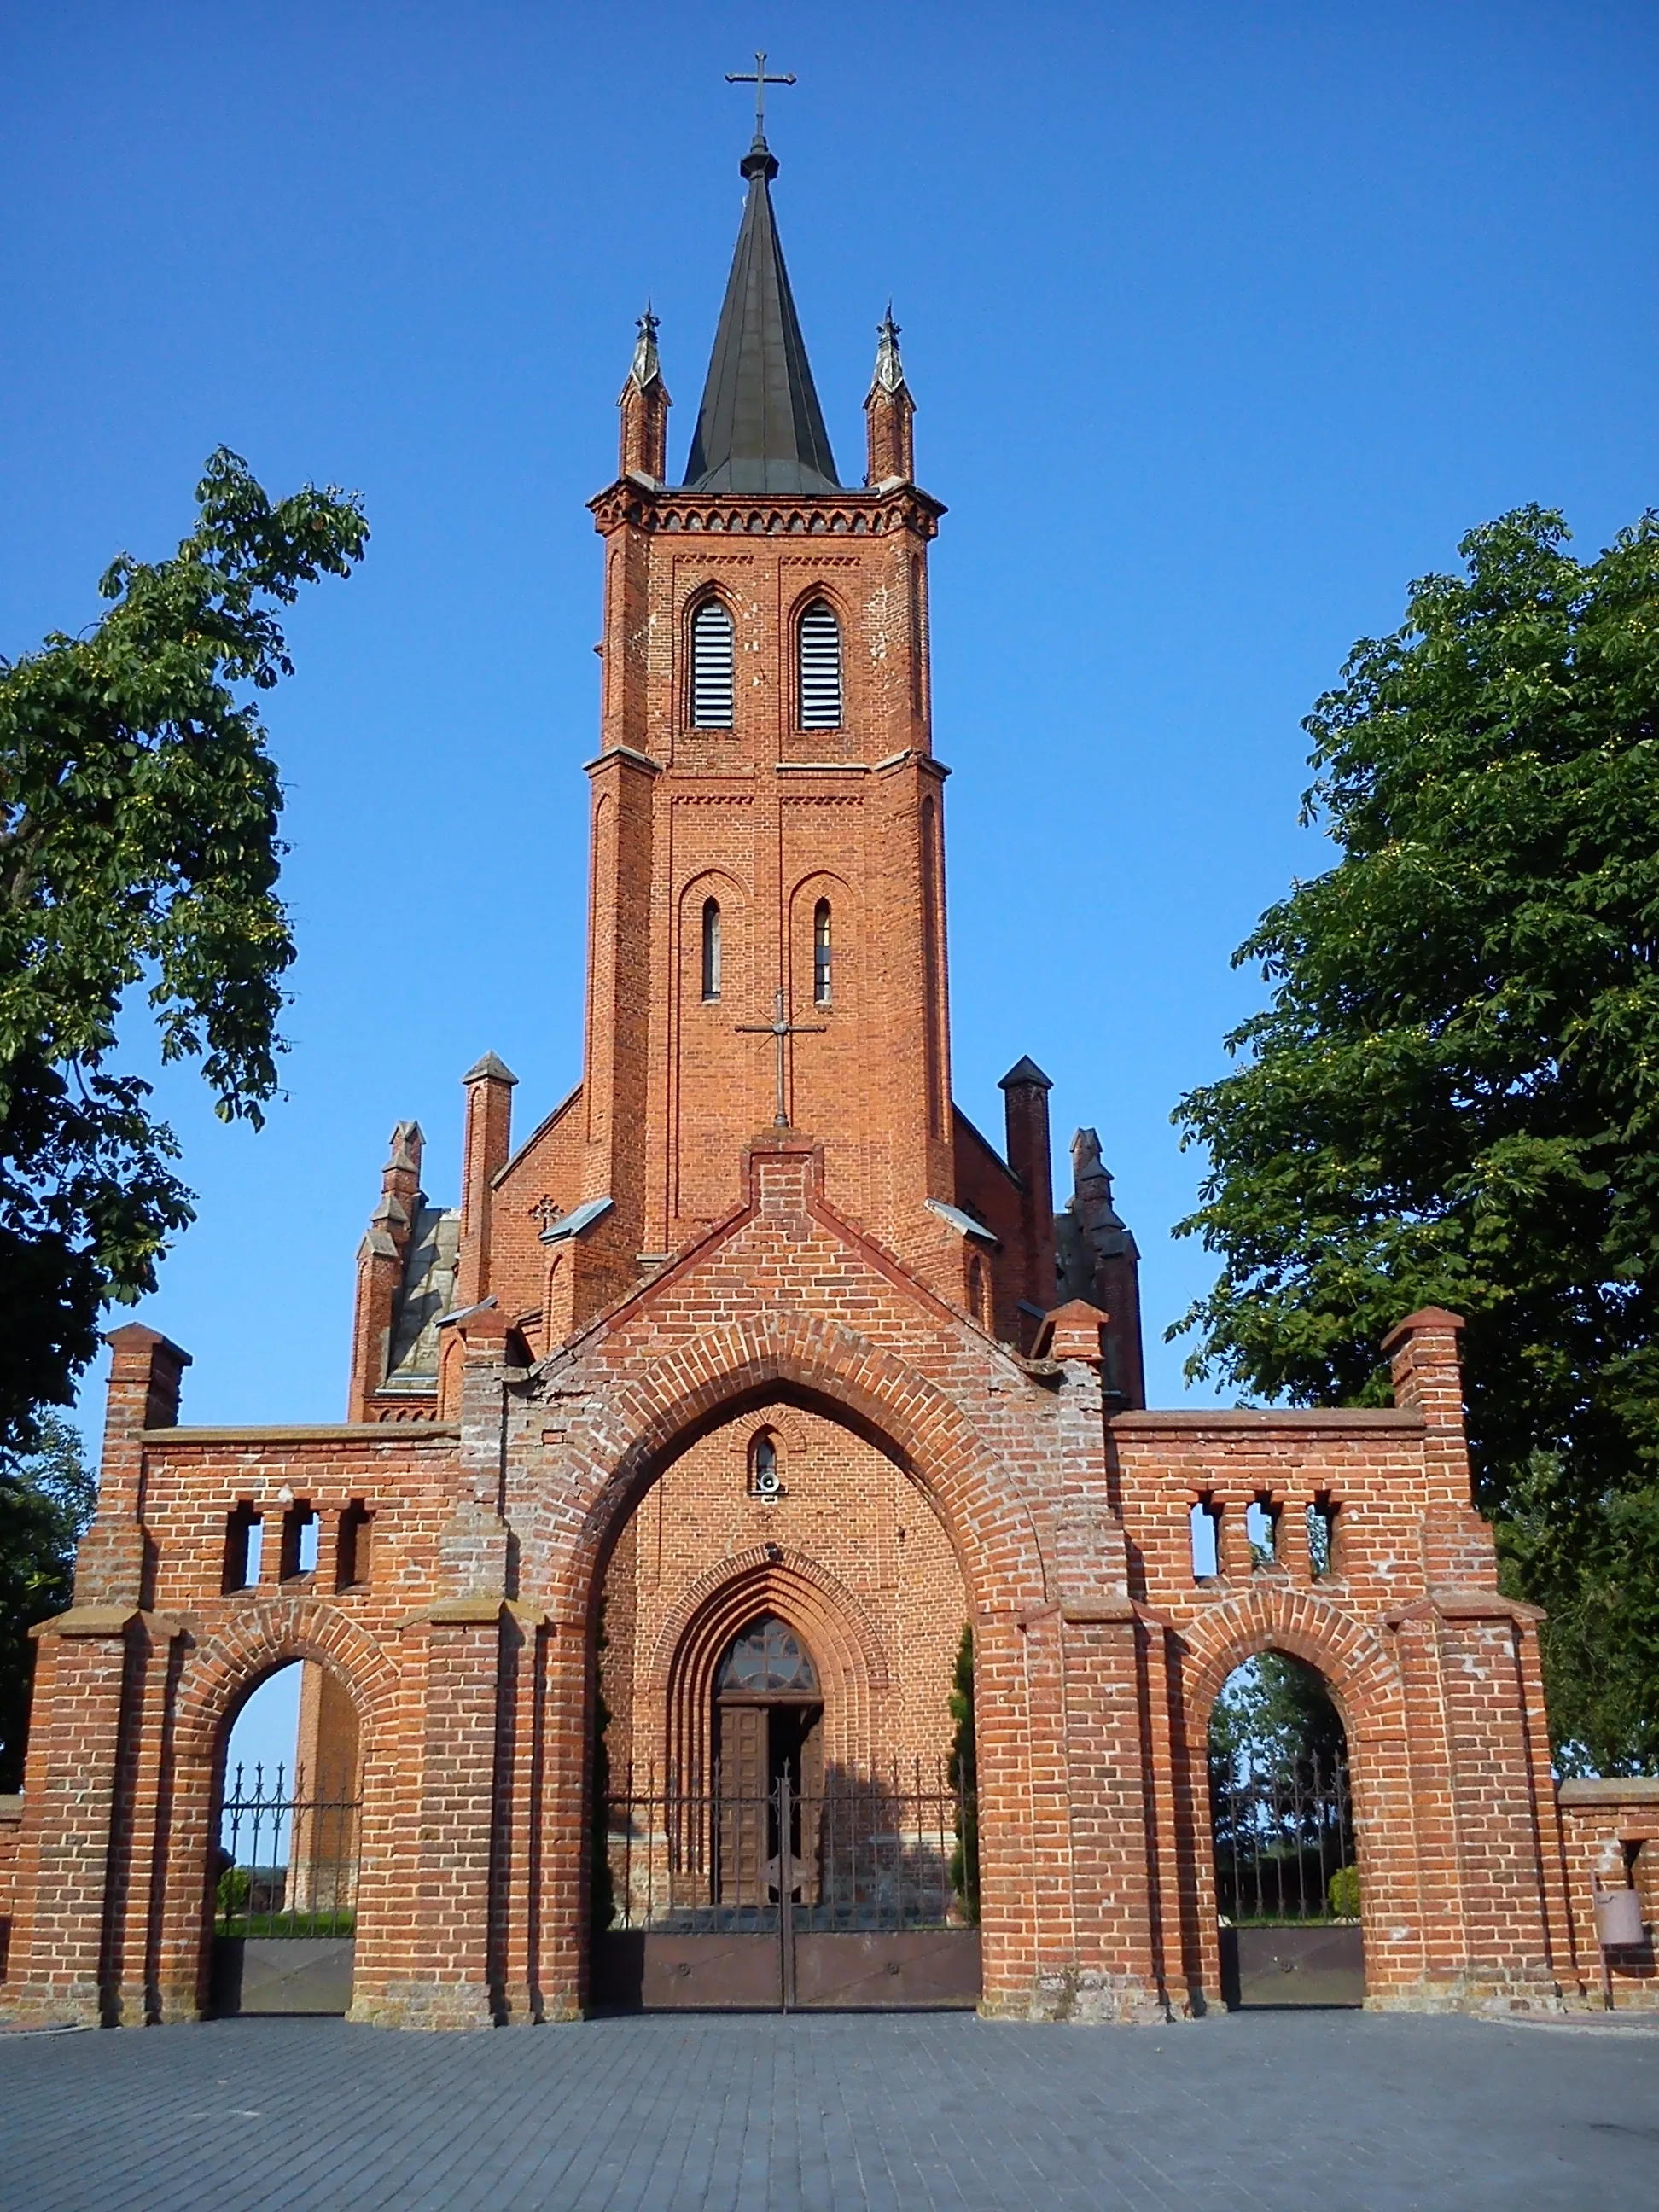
(566, 1824)
(1091, 1875)
(1485, 1834)
(430, 1952)
(93, 1806)
(77, 1813)
(434, 1950)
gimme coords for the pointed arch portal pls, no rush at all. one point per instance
(766, 1863)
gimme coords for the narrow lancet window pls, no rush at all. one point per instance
(823, 956)
(713, 647)
(711, 948)
(820, 668)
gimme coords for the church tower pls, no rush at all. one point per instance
(767, 826)
(767, 952)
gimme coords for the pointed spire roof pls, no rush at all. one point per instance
(760, 427)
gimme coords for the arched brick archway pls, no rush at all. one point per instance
(636, 1421)
(214, 1684)
(1349, 1654)
(225, 1670)
(1359, 1670)
(845, 1649)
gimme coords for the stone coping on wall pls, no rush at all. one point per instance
(1302, 1420)
(1615, 1790)
(333, 1433)
(11, 1808)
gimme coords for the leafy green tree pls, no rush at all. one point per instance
(1275, 1712)
(1452, 1096)
(138, 852)
(47, 1500)
(964, 1780)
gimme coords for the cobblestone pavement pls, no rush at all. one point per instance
(1270, 2110)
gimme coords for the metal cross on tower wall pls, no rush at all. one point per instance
(782, 1028)
(759, 79)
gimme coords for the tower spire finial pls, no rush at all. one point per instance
(759, 79)
(887, 412)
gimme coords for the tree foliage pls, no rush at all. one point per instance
(47, 1500)
(1452, 1096)
(139, 852)
(964, 1773)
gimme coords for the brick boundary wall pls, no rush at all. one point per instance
(1610, 1830)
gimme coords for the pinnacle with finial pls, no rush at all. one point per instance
(889, 369)
(646, 368)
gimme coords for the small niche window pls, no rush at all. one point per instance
(823, 954)
(712, 657)
(979, 1303)
(765, 1476)
(1261, 1530)
(244, 1541)
(820, 668)
(1205, 1521)
(353, 1547)
(299, 1540)
(711, 948)
(1322, 1536)
(769, 1657)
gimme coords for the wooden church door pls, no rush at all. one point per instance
(768, 1723)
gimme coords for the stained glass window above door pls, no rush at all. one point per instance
(768, 1656)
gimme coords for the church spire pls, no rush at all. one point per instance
(760, 427)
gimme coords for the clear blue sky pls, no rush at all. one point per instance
(1224, 321)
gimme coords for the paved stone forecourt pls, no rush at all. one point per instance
(1365, 2113)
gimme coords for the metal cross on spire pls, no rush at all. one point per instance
(782, 1028)
(759, 79)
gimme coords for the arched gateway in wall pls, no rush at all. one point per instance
(781, 1821)
(677, 1458)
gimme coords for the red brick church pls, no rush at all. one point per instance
(679, 1455)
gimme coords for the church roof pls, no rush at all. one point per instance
(760, 427)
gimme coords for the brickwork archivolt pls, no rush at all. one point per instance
(1362, 1679)
(224, 1671)
(838, 1633)
(647, 1418)
(795, 1585)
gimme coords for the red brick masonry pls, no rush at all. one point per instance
(468, 1652)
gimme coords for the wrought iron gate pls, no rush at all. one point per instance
(1283, 1830)
(850, 1895)
(285, 1908)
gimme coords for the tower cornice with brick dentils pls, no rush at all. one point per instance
(632, 502)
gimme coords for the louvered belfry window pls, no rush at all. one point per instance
(820, 668)
(711, 653)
